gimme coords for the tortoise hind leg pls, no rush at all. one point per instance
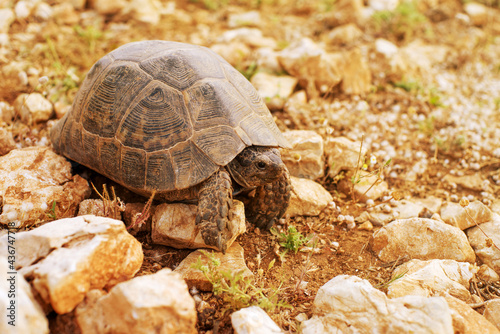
(214, 203)
(269, 203)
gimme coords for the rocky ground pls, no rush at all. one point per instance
(392, 108)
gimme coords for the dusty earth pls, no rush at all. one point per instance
(447, 116)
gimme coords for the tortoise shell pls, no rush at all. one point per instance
(163, 116)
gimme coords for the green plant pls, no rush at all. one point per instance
(434, 97)
(496, 101)
(386, 284)
(357, 177)
(403, 21)
(292, 240)
(249, 71)
(212, 4)
(409, 85)
(90, 34)
(237, 290)
(52, 211)
(427, 126)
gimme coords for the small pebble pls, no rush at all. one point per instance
(367, 226)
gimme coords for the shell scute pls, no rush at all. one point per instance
(158, 119)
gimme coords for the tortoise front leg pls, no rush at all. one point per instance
(214, 203)
(269, 203)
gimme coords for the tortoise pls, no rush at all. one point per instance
(178, 120)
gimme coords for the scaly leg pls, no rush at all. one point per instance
(269, 203)
(214, 203)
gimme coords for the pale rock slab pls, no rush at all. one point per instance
(487, 274)
(7, 112)
(253, 320)
(492, 312)
(234, 53)
(477, 12)
(386, 48)
(33, 108)
(252, 37)
(468, 321)
(308, 198)
(456, 215)
(78, 4)
(247, 19)
(432, 278)
(65, 13)
(267, 60)
(43, 11)
(349, 304)
(232, 261)
(308, 62)
(346, 11)
(29, 317)
(368, 187)
(472, 182)
(379, 5)
(404, 209)
(174, 225)
(7, 142)
(23, 9)
(345, 34)
(274, 89)
(298, 110)
(431, 203)
(157, 303)
(417, 58)
(107, 7)
(495, 206)
(66, 258)
(31, 179)
(6, 18)
(147, 11)
(356, 74)
(484, 245)
(421, 238)
(305, 158)
(343, 154)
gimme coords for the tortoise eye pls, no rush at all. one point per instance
(261, 165)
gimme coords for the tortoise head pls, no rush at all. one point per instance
(257, 166)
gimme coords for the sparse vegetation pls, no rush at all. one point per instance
(292, 240)
(403, 22)
(236, 290)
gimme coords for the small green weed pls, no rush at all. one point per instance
(403, 22)
(411, 86)
(90, 34)
(236, 290)
(435, 98)
(212, 4)
(497, 103)
(249, 71)
(357, 177)
(386, 284)
(427, 126)
(52, 211)
(292, 240)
